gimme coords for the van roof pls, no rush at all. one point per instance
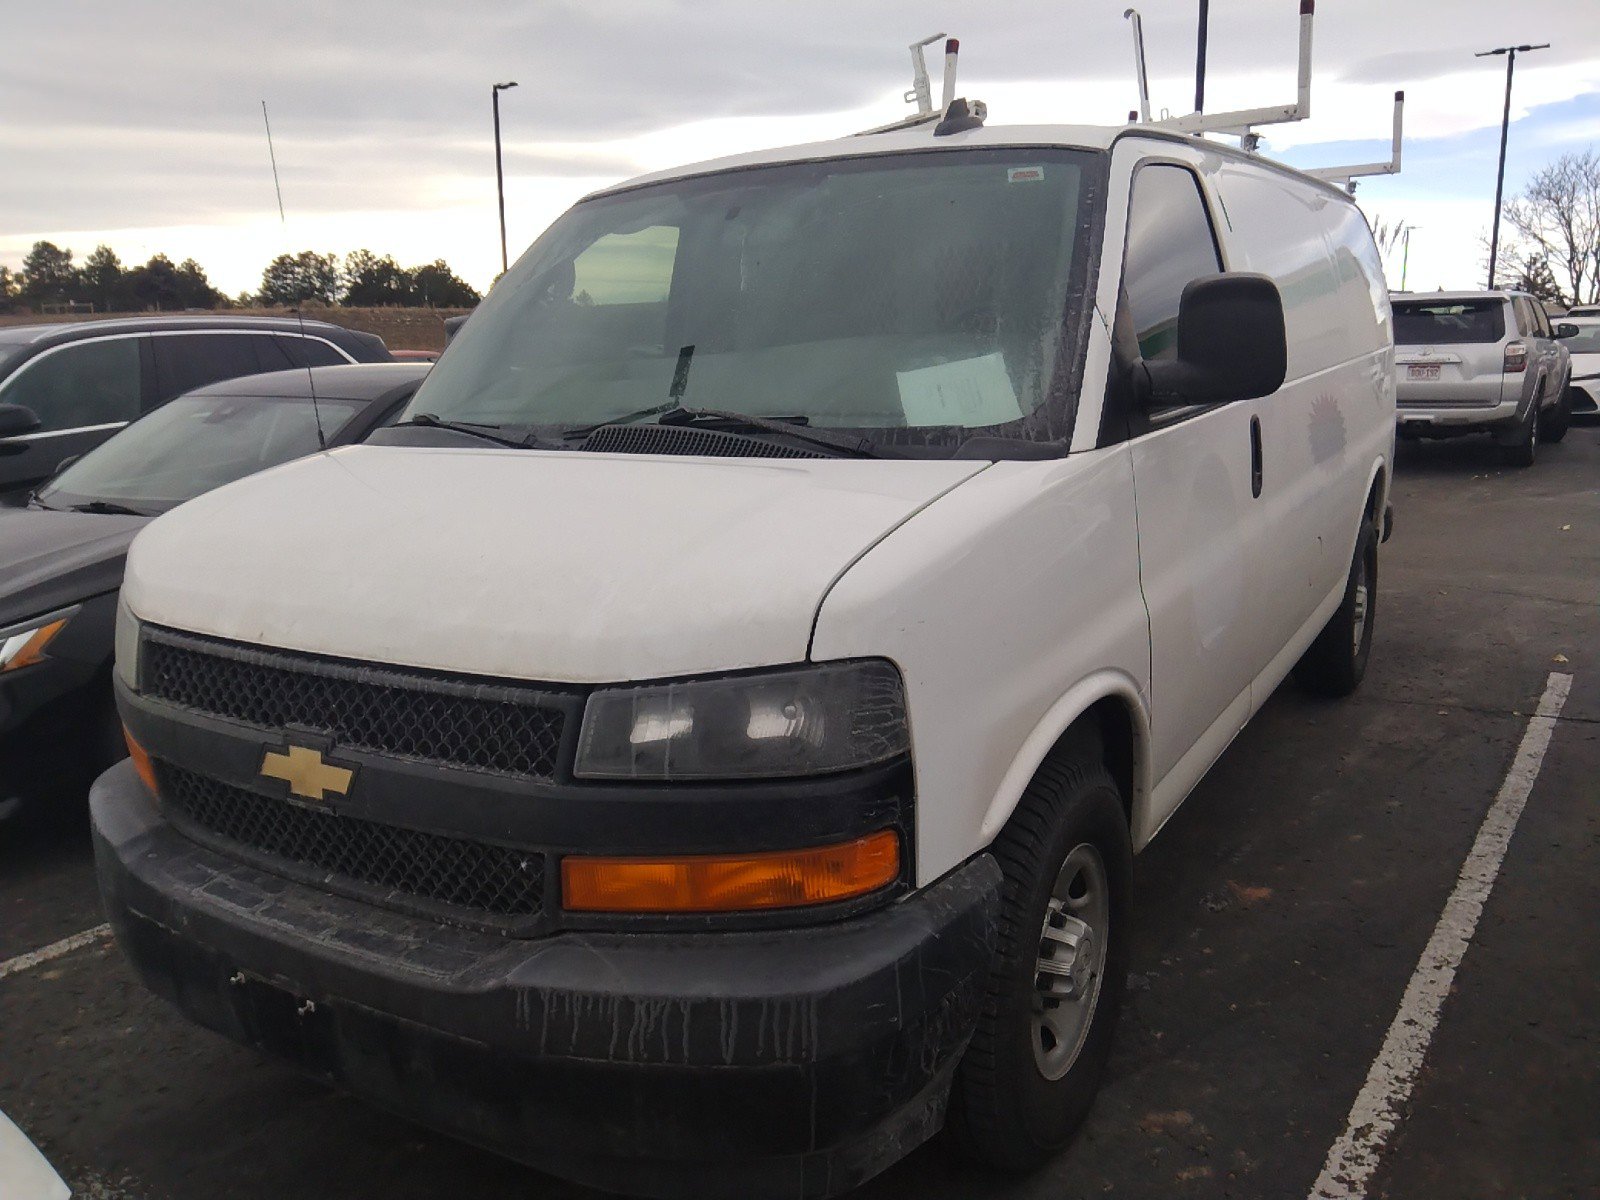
(920, 138)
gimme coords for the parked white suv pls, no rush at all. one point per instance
(702, 752)
(1482, 362)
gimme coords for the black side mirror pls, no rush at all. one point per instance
(1567, 329)
(16, 420)
(1231, 345)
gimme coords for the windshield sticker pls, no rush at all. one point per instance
(1024, 174)
(969, 392)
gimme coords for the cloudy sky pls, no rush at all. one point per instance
(138, 122)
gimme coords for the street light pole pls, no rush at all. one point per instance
(499, 170)
(1511, 53)
(1200, 57)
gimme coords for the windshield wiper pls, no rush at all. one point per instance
(108, 508)
(845, 442)
(472, 428)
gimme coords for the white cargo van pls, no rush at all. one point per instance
(702, 752)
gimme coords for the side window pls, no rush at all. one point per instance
(186, 361)
(291, 350)
(1541, 318)
(1525, 322)
(1170, 242)
(86, 383)
(626, 268)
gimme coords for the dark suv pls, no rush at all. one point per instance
(85, 381)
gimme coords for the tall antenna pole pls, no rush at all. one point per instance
(499, 171)
(311, 382)
(1200, 58)
(1511, 53)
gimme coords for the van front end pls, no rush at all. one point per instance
(502, 910)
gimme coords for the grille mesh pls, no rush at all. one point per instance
(484, 727)
(496, 880)
(679, 439)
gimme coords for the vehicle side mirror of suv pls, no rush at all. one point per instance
(1231, 345)
(16, 420)
(1567, 329)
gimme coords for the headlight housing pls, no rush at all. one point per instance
(808, 720)
(23, 645)
(127, 646)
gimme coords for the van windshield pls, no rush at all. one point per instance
(910, 298)
(1448, 322)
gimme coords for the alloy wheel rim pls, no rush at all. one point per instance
(1070, 966)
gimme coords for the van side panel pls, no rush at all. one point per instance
(997, 601)
(1334, 415)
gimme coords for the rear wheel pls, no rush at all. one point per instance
(1336, 662)
(1522, 451)
(1055, 986)
(1555, 420)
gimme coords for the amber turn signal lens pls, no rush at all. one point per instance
(32, 649)
(141, 761)
(731, 882)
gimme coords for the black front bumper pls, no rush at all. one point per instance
(793, 1063)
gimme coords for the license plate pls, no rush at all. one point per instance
(1430, 371)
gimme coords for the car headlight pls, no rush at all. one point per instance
(807, 720)
(127, 646)
(23, 645)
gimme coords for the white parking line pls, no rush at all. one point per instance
(26, 962)
(1373, 1117)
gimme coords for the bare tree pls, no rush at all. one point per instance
(1557, 217)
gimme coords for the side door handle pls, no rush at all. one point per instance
(1255, 457)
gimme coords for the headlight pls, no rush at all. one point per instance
(127, 646)
(23, 645)
(797, 721)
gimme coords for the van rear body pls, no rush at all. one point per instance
(702, 752)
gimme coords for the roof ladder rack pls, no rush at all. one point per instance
(1348, 175)
(921, 91)
(1240, 123)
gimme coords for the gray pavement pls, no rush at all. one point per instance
(1280, 916)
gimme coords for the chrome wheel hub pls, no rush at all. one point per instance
(1070, 966)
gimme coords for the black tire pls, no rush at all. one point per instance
(1556, 420)
(1525, 449)
(1336, 662)
(1004, 1111)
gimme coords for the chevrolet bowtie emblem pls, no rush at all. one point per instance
(304, 770)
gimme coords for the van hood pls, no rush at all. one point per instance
(554, 566)
(49, 559)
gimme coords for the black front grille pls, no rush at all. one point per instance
(496, 880)
(503, 728)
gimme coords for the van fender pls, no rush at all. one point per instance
(1380, 505)
(1101, 685)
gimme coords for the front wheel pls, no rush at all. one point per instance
(1055, 987)
(1336, 662)
(1556, 421)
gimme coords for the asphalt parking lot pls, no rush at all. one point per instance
(1282, 915)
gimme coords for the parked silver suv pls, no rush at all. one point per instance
(1481, 362)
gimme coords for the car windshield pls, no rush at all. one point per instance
(1585, 341)
(1448, 322)
(191, 445)
(907, 298)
